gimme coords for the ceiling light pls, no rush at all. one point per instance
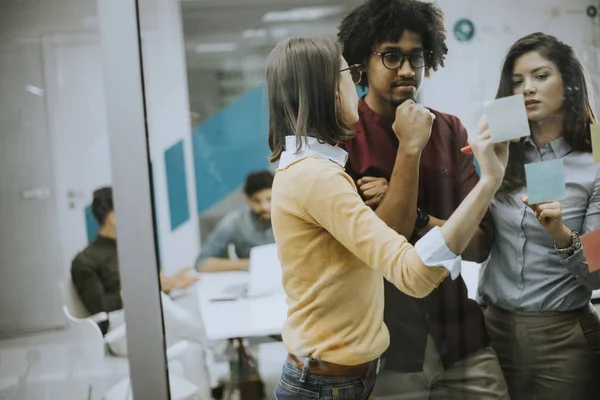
(254, 33)
(215, 47)
(34, 90)
(301, 14)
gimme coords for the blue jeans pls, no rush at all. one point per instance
(322, 387)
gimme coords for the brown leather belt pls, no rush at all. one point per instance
(319, 367)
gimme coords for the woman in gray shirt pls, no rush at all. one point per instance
(536, 284)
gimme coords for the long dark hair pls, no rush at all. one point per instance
(577, 104)
(303, 76)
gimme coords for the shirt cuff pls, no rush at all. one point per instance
(572, 259)
(434, 252)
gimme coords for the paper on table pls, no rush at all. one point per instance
(545, 181)
(591, 249)
(507, 118)
(595, 131)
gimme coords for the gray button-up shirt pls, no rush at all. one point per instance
(240, 228)
(524, 272)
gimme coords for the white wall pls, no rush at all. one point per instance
(168, 123)
(31, 264)
(472, 68)
(30, 260)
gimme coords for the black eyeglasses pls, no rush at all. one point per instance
(394, 60)
(356, 72)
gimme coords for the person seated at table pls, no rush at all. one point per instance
(95, 276)
(245, 228)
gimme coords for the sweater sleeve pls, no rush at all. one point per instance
(331, 201)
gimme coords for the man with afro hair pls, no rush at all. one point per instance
(439, 346)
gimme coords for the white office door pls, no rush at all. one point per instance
(29, 247)
(77, 111)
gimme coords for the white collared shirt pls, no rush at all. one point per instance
(524, 272)
(311, 147)
(432, 247)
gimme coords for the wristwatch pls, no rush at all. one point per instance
(422, 220)
(575, 245)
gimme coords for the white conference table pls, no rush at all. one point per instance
(243, 317)
(227, 316)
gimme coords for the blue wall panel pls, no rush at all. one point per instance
(91, 225)
(229, 145)
(177, 185)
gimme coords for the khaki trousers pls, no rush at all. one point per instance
(550, 355)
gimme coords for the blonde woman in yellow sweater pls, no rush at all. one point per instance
(334, 249)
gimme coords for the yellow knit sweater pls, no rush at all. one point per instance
(334, 252)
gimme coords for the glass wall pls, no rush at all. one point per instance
(164, 102)
(204, 71)
(63, 288)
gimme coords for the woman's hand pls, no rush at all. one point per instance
(180, 280)
(492, 157)
(550, 216)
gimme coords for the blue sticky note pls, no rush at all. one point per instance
(176, 185)
(229, 145)
(545, 181)
(91, 225)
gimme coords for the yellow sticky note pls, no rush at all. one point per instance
(595, 131)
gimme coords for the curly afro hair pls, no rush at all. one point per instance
(378, 21)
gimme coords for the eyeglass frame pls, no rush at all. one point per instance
(403, 58)
(359, 68)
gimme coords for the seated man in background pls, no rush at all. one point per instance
(245, 228)
(95, 275)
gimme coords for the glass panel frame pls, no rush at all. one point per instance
(126, 115)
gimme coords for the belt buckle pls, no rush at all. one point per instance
(378, 365)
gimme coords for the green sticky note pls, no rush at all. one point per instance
(545, 181)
